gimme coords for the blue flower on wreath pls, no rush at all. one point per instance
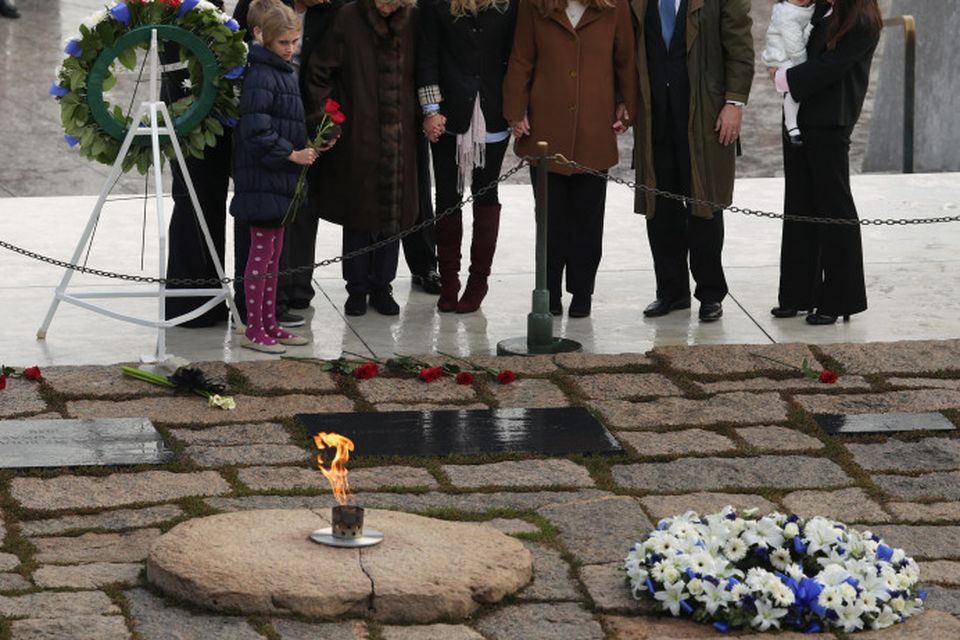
(236, 72)
(121, 13)
(230, 122)
(185, 6)
(231, 24)
(71, 140)
(884, 552)
(57, 91)
(73, 48)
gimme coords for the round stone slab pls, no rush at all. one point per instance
(264, 562)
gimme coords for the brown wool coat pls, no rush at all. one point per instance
(720, 68)
(569, 81)
(368, 181)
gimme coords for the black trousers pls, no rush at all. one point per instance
(676, 234)
(188, 255)
(821, 265)
(420, 248)
(300, 247)
(445, 172)
(374, 271)
(575, 210)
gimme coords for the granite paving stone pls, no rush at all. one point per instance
(430, 406)
(96, 547)
(925, 383)
(929, 625)
(660, 507)
(675, 443)
(512, 526)
(651, 628)
(619, 386)
(587, 361)
(730, 358)
(156, 620)
(87, 576)
(888, 402)
(411, 391)
(697, 474)
(13, 582)
(8, 561)
(21, 398)
(547, 621)
(83, 627)
(296, 630)
(609, 591)
(940, 571)
(736, 408)
(55, 604)
(519, 473)
(80, 492)
(363, 479)
(528, 393)
(521, 365)
(931, 454)
(595, 531)
(234, 434)
(551, 575)
(788, 384)
(112, 520)
(773, 438)
(184, 409)
(921, 512)
(286, 376)
(430, 632)
(922, 541)
(928, 486)
(415, 502)
(943, 599)
(90, 381)
(251, 454)
(3, 530)
(845, 505)
(913, 356)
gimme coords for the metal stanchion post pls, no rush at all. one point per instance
(539, 339)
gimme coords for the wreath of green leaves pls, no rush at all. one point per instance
(210, 45)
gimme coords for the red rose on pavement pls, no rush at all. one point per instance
(331, 106)
(337, 117)
(366, 371)
(828, 377)
(32, 373)
(506, 376)
(3, 382)
(464, 377)
(429, 374)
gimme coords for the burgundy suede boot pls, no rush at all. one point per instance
(486, 225)
(449, 235)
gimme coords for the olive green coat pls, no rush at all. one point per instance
(720, 67)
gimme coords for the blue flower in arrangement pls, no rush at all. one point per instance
(71, 140)
(228, 121)
(235, 73)
(121, 13)
(73, 48)
(57, 91)
(231, 24)
(186, 6)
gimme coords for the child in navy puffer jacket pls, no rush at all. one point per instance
(270, 146)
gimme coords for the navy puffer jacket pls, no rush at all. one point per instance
(272, 124)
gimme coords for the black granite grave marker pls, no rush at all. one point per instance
(74, 443)
(437, 433)
(883, 422)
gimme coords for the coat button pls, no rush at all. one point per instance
(573, 107)
(573, 73)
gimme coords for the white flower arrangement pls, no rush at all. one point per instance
(774, 571)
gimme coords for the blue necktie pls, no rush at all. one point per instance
(668, 19)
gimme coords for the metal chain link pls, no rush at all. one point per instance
(556, 158)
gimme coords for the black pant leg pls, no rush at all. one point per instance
(300, 244)
(241, 250)
(489, 172)
(420, 249)
(557, 229)
(444, 155)
(356, 271)
(667, 229)
(587, 198)
(799, 247)
(383, 267)
(705, 242)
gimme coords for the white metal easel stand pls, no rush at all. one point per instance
(155, 108)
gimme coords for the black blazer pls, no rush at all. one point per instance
(464, 56)
(832, 84)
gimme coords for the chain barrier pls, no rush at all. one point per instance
(525, 161)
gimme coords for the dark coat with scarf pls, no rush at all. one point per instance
(271, 127)
(368, 181)
(465, 56)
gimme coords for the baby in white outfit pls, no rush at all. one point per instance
(786, 47)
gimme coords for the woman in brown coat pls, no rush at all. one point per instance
(368, 182)
(571, 82)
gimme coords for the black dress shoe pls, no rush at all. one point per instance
(556, 305)
(710, 311)
(784, 312)
(580, 306)
(299, 304)
(661, 307)
(794, 138)
(823, 318)
(384, 303)
(429, 282)
(356, 304)
(8, 9)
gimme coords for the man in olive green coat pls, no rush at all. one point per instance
(695, 65)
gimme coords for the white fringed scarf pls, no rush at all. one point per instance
(471, 146)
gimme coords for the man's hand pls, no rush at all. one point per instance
(728, 124)
(623, 119)
(520, 128)
(434, 125)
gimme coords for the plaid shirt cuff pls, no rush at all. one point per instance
(429, 95)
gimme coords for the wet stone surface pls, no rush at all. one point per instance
(616, 386)
(430, 632)
(287, 376)
(528, 393)
(560, 621)
(772, 438)
(119, 519)
(735, 408)
(928, 486)
(8, 561)
(931, 454)
(595, 530)
(57, 605)
(132, 546)
(13, 582)
(527, 473)
(608, 590)
(919, 512)
(512, 526)
(922, 541)
(891, 401)
(660, 507)
(940, 571)
(406, 391)
(88, 576)
(295, 630)
(731, 359)
(587, 361)
(845, 505)
(362, 479)
(252, 454)
(789, 384)
(84, 627)
(673, 443)
(91, 381)
(156, 620)
(20, 399)
(551, 576)
(915, 356)
(234, 434)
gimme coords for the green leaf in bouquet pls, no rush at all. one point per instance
(128, 58)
